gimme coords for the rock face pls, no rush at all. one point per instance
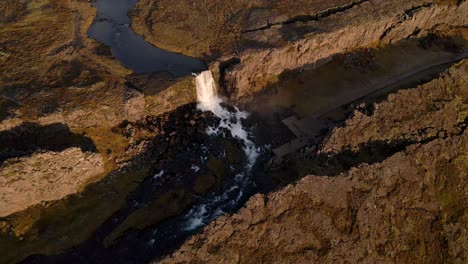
(435, 109)
(371, 23)
(55, 174)
(409, 208)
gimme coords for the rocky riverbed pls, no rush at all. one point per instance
(100, 163)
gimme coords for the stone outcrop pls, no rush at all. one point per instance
(46, 177)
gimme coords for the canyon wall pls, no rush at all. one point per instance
(411, 207)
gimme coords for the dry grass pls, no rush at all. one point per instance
(204, 28)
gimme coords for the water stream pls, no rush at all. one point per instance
(231, 120)
(112, 28)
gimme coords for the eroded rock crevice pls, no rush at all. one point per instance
(407, 14)
(307, 18)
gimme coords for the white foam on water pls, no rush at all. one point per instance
(196, 217)
(208, 100)
(195, 168)
(158, 175)
(207, 93)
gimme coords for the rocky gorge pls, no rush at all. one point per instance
(359, 109)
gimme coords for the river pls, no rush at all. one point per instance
(112, 28)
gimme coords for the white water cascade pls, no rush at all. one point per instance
(207, 93)
(208, 100)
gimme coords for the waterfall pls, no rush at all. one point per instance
(208, 100)
(207, 93)
(216, 204)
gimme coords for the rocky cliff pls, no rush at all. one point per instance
(411, 207)
(266, 38)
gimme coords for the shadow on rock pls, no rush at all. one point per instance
(179, 166)
(28, 138)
